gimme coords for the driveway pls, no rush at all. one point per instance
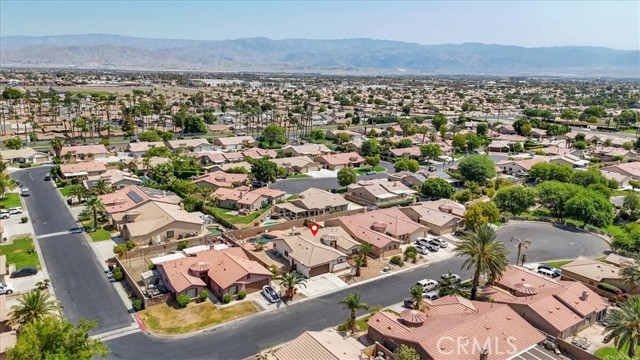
(322, 284)
(76, 275)
(550, 242)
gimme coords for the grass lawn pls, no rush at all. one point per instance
(292, 197)
(458, 155)
(299, 176)
(100, 235)
(628, 131)
(558, 264)
(365, 169)
(66, 191)
(603, 352)
(239, 219)
(170, 319)
(362, 323)
(18, 253)
(11, 200)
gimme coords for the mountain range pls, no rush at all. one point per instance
(348, 56)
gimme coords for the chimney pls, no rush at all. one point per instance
(484, 354)
(164, 193)
(584, 296)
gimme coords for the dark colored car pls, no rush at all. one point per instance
(76, 230)
(258, 184)
(47, 177)
(28, 271)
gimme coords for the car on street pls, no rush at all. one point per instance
(371, 172)
(438, 242)
(24, 192)
(5, 214)
(408, 303)
(47, 177)
(258, 184)
(431, 168)
(557, 272)
(430, 295)
(15, 210)
(270, 294)
(427, 284)
(548, 273)
(422, 249)
(28, 271)
(76, 230)
(6, 289)
(450, 278)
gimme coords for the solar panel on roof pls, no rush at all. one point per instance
(134, 196)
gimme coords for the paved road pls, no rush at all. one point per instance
(248, 336)
(76, 275)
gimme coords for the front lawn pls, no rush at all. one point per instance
(239, 219)
(606, 351)
(66, 191)
(168, 318)
(11, 200)
(100, 235)
(366, 169)
(299, 176)
(558, 264)
(21, 252)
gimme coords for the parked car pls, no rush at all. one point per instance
(408, 303)
(371, 172)
(427, 284)
(430, 296)
(548, 273)
(422, 249)
(438, 242)
(6, 289)
(47, 177)
(76, 230)
(558, 272)
(432, 248)
(424, 241)
(5, 214)
(28, 271)
(431, 168)
(15, 210)
(24, 192)
(270, 294)
(455, 278)
(258, 184)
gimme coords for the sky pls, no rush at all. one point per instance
(612, 24)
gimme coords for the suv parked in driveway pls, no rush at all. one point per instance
(422, 249)
(557, 272)
(5, 214)
(28, 271)
(438, 242)
(15, 210)
(6, 289)
(427, 284)
(424, 241)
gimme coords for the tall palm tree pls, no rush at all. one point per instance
(365, 250)
(522, 243)
(291, 281)
(95, 204)
(624, 326)
(358, 262)
(34, 305)
(353, 304)
(417, 297)
(78, 191)
(57, 144)
(484, 254)
(631, 274)
(102, 187)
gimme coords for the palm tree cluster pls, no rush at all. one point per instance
(352, 303)
(291, 281)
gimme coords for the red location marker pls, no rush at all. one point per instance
(314, 229)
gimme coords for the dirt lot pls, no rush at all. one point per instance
(373, 269)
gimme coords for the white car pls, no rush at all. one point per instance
(424, 241)
(24, 192)
(6, 289)
(15, 210)
(427, 284)
(422, 249)
(5, 214)
(438, 242)
(430, 295)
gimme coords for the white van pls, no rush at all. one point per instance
(547, 272)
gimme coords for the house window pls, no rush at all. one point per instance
(233, 289)
(191, 293)
(170, 234)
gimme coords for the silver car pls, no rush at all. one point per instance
(6, 289)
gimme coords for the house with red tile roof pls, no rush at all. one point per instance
(559, 308)
(221, 179)
(82, 152)
(455, 328)
(119, 202)
(379, 192)
(340, 160)
(243, 198)
(227, 271)
(82, 169)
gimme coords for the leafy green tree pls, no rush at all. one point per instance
(590, 207)
(373, 161)
(437, 188)
(273, 135)
(478, 168)
(623, 327)
(194, 125)
(632, 204)
(151, 136)
(346, 177)
(413, 165)
(588, 177)
(10, 93)
(405, 143)
(482, 129)
(183, 187)
(484, 255)
(13, 143)
(439, 120)
(158, 151)
(473, 141)
(264, 170)
(595, 111)
(291, 281)
(317, 135)
(569, 114)
(52, 338)
(544, 171)
(163, 174)
(404, 352)
(33, 306)
(481, 213)
(515, 199)
(459, 142)
(627, 117)
(6, 184)
(370, 147)
(554, 195)
(430, 152)
(352, 303)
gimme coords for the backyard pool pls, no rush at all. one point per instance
(262, 238)
(269, 223)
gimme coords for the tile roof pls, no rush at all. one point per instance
(309, 253)
(181, 143)
(320, 345)
(155, 215)
(592, 269)
(296, 161)
(144, 145)
(82, 167)
(235, 140)
(435, 217)
(135, 195)
(311, 150)
(341, 158)
(221, 179)
(315, 199)
(84, 149)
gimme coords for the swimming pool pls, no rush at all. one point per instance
(262, 238)
(269, 223)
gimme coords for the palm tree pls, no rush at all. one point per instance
(358, 262)
(624, 326)
(34, 305)
(365, 250)
(57, 144)
(291, 281)
(522, 243)
(631, 274)
(353, 304)
(78, 191)
(449, 286)
(95, 204)
(486, 255)
(417, 297)
(101, 187)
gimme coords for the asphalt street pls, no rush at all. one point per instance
(76, 275)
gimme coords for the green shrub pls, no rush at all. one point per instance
(183, 244)
(396, 260)
(117, 274)
(151, 267)
(24, 219)
(226, 298)
(610, 288)
(137, 304)
(183, 300)
(25, 165)
(242, 294)
(204, 295)
(130, 244)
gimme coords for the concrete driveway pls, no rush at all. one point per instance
(322, 284)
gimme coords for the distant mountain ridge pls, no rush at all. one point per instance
(104, 51)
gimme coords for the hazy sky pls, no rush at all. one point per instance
(614, 24)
